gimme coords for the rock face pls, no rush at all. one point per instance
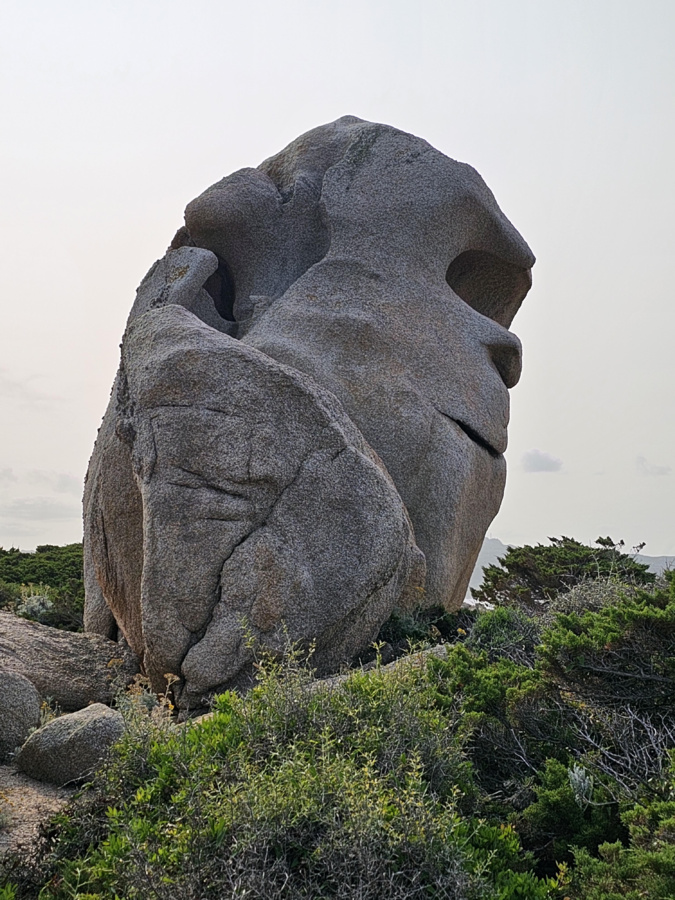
(404, 318)
(69, 748)
(71, 669)
(19, 712)
(322, 358)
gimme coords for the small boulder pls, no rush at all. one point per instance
(19, 712)
(71, 747)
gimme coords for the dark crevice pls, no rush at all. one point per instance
(202, 482)
(472, 435)
(476, 438)
(220, 286)
(209, 487)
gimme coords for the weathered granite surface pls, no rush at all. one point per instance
(71, 747)
(70, 669)
(262, 511)
(399, 305)
(19, 711)
(322, 358)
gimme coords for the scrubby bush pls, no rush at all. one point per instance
(506, 632)
(423, 627)
(530, 576)
(46, 586)
(59, 567)
(292, 791)
(644, 868)
(618, 653)
(532, 758)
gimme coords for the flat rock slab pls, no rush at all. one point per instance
(71, 669)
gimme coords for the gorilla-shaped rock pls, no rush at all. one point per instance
(322, 358)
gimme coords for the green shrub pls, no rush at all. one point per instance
(291, 791)
(531, 727)
(538, 743)
(9, 594)
(46, 586)
(515, 724)
(506, 632)
(59, 567)
(644, 868)
(620, 653)
(532, 575)
(425, 626)
(558, 819)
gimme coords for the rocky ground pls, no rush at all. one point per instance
(24, 804)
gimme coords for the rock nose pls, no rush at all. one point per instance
(505, 353)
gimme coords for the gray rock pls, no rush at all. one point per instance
(113, 534)
(179, 279)
(71, 747)
(404, 317)
(340, 309)
(263, 511)
(19, 712)
(72, 669)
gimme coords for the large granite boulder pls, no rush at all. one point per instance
(113, 509)
(263, 512)
(405, 276)
(321, 359)
(71, 669)
(71, 747)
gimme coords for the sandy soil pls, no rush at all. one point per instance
(25, 803)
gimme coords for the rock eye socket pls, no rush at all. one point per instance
(492, 286)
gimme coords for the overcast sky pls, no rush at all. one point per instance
(116, 114)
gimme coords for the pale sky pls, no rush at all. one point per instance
(116, 113)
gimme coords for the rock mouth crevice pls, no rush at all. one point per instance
(473, 435)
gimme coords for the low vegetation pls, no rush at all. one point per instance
(534, 758)
(45, 586)
(530, 576)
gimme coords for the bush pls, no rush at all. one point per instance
(506, 632)
(537, 718)
(295, 792)
(559, 818)
(619, 653)
(644, 868)
(533, 759)
(531, 576)
(59, 567)
(46, 586)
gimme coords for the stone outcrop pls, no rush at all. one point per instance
(71, 747)
(70, 669)
(405, 278)
(311, 409)
(19, 712)
(263, 512)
